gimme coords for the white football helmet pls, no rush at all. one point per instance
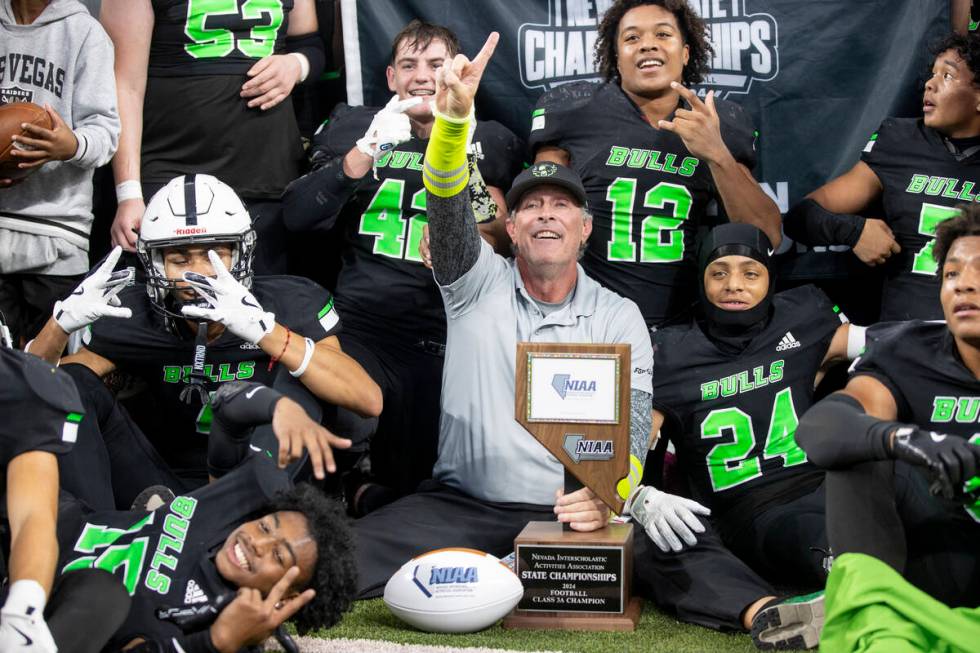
(193, 209)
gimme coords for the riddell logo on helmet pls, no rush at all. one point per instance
(190, 231)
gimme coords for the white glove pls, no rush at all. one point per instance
(22, 626)
(665, 517)
(228, 302)
(389, 128)
(95, 297)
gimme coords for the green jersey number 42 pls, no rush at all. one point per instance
(394, 235)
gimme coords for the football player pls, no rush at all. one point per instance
(368, 183)
(729, 390)
(221, 568)
(205, 87)
(919, 169)
(651, 153)
(201, 319)
(900, 438)
(41, 412)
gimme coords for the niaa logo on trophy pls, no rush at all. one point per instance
(568, 388)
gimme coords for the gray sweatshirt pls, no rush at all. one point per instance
(65, 59)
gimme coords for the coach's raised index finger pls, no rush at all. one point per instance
(483, 56)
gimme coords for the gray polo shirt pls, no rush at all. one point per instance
(483, 450)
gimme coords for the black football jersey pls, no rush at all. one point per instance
(733, 419)
(40, 407)
(921, 182)
(194, 118)
(383, 283)
(144, 347)
(917, 362)
(647, 193)
(165, 558)
(215, 37)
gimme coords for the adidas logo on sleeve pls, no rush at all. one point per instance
(194, 594)
(788, 342)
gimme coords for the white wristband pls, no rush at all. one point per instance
(304, 65)
(855, 341)
(26, 593)
(129, 190)
(307, 357)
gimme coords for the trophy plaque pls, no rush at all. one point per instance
(575, 400)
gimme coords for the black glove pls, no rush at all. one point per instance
(949, 459)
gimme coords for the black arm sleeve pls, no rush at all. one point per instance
(311, 46)
(314, 201)
(454, 240)
(836, 433)
(811, 224)
(238, 407)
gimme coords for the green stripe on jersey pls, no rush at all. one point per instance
(326, 309)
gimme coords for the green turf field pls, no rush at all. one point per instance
(656, 633)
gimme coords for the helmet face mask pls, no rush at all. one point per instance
(196, 210)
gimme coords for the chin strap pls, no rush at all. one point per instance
(198, 379)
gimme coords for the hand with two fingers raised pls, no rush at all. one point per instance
(699, 126)
(250, 618)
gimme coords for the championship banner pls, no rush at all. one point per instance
(816, 77)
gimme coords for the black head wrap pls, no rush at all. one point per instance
(733, 330)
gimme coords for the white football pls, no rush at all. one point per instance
(453, 591)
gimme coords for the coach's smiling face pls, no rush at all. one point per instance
(548, 229)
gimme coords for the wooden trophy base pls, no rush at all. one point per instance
(593, 621)
(546, 541)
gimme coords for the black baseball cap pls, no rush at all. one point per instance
(546, 172)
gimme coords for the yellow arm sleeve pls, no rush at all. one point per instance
(445, 172)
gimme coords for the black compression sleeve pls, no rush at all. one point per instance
(811, 224)
(837, 433)
(238, 407)
(454, 239)
(311, 46)
(314, 201)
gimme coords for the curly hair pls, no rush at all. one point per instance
(335, 574)
(968, 47)
(693, 30)
(967, 223)
(418, 34)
